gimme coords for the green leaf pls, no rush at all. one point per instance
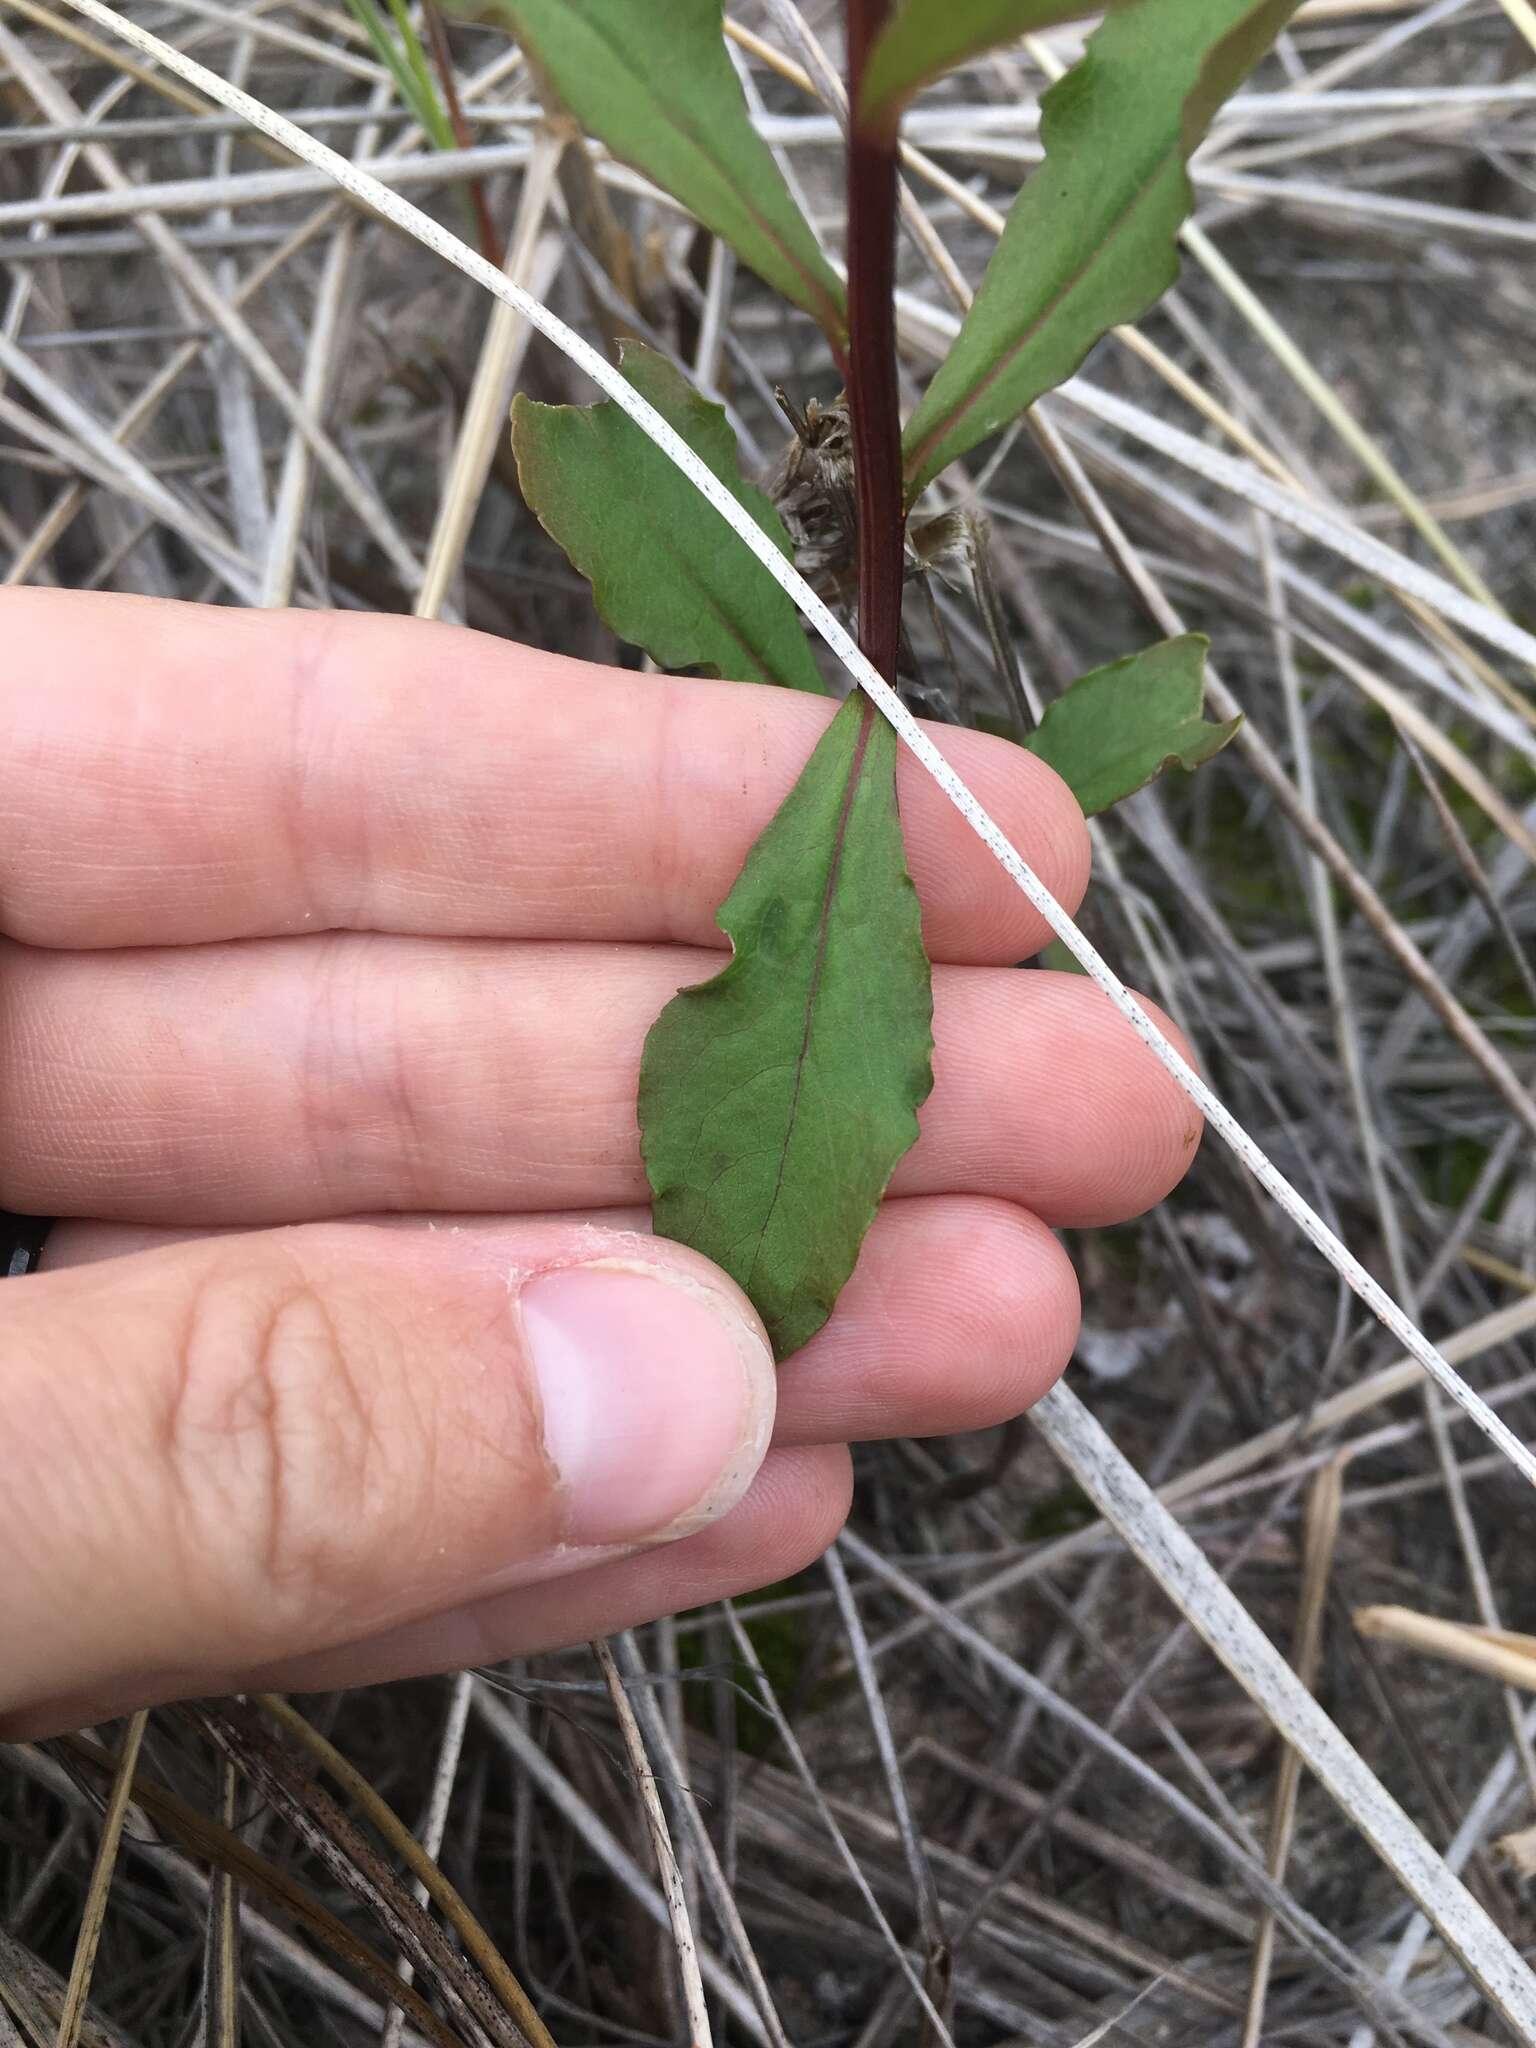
(776, 1100)
(1117, 727)
(665, 569)
(652, 80)
(920, 42)
(1090, 241)
(1060, 960)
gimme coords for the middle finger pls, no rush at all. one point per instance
(286, 1080)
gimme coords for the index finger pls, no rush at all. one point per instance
(173, 773)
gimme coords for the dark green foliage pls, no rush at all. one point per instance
(1118, 726)
(665, 570)
(776, 1099)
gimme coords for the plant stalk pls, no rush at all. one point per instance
(873, 408)
(492, 248)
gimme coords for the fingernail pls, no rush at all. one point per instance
(658, 1396)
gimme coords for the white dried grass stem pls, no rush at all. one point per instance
(695, 2004)
(653, 1718)
(1123, 1497)
(505, 1727)
(234, 392)
(1479, 1817)
(1312, 521)
(1319, 1543)
(336, 281)
(282, 551)
(434, 1827)
(200, 287)
(531, 263)
(257, 188)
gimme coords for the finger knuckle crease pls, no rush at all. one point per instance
(274, 1447)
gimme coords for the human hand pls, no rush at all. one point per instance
(315, 917)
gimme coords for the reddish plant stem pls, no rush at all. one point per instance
(491, 246)
(873, 408)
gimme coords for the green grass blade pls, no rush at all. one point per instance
(423, 108)
(435, 114)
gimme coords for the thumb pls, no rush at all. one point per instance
(225, 1453)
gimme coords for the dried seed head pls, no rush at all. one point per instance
(812, 486)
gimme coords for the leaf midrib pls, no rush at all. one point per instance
(823, 929)
(1002, 363)
(832, 316)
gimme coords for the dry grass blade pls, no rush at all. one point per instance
(747, 1651)
(1262, 758)
(1320, 1540)
(1480, 1814)
(1397, 571)
(530, 262)
(221, 1949)
(422, 1866)
(78, 1991)
(1499, 1653)
(1186, 1576)
(176, 196)
(504, 1726)
(1420, 732)
(1160, 1879)
(208, 1839)
(1501, 1326)
(1477, 881)
(103, 53)
(138, 415)
(695, 2004)
(211, 301)
(435, 1825)
(344, 1853)
(929, 1912)
(1523, 15)
(74, 458)
(1223, 1838)
(31, 1999)
(659, 1739)
(1338, 416)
